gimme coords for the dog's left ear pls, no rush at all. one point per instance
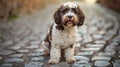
(81, 16)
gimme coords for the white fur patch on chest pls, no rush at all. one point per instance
(64, 38)
(70, 4)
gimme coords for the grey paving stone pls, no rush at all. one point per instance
(105, 54)
(23, 50)
(81, 64)
(94, 45)
(37, 58)
(14, 60)
(92, 29)
(107, 26)
(86, 53)
(39, 50)
(82, 58)
(107, 37)
(78, 65)
(34, 64)
(116, 64)
(16, 55)
(32, 37)
(0, 58)
(32, 47)
(6, 52)
(102, 63)
(114, 43)
(15, 47)
(112, 32)
(16, 39)
(60, 64)
(21, 44)
(90, 49)
(83, 30)
(35, 54)
(97, 36)
(87, 38)
(110, 49)
(88, 65)
(100, 41)
(116, 39)
(102, 32)
(6, 65)
(37, 42)
(101, 58)
(117, 61)
(7, 43)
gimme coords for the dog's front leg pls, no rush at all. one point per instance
(69, 54)
(54, 54)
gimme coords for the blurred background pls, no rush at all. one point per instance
(24, 24)
(13, 8)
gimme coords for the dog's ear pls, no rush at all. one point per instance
(57, 19)
(81, 16)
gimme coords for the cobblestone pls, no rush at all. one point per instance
(23, 50)
(94, 45)
(6, 65)
(105, 54)
(6, 52)
(35, 42)
(97, 44)
(100, 42)
(15, 47)
(87, 38)
(32, 47)
(34, 64)
(61, 64)
(101, 58)
(86, 53)
(82, 58)
(102, 63)
(16, 55)
(97, 36)
(14, 60)
(37, 59)
(0, 58)
(81, 64)
(35, 54)
(90, 49)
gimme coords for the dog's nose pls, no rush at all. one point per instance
(70, 16)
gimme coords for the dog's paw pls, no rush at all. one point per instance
(71, 61)
(53, 61)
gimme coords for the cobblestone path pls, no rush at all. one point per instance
(98, 43)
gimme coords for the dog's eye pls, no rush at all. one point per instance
(65, 10)
(74, 10)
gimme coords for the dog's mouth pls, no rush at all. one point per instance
(70, 23)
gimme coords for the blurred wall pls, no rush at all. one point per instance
(9, 7)
(112, 4)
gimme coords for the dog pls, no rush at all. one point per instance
(63, 33)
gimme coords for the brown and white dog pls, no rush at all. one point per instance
(63, 33)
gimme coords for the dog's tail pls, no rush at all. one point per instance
(46, 46)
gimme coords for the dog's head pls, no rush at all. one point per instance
(69, 15)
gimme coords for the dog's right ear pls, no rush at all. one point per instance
(57, 18)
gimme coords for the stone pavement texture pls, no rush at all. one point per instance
(98, 43)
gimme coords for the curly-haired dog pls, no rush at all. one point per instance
(63, 33)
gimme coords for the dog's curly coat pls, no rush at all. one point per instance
(63, 33)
